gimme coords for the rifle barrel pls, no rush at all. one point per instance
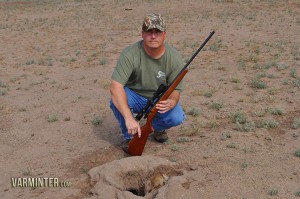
(195, 54)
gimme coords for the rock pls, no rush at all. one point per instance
(137, 177)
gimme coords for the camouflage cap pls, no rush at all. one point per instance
(154, 20)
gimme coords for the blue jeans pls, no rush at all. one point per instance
(161, 122)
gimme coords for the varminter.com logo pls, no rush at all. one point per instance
(39, 182)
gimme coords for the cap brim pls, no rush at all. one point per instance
(155, 27)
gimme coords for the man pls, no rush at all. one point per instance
(141, 68)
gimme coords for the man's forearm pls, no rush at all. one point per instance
(174, 98)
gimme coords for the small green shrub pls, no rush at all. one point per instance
(256, 66)
(296, 82)
(189, 131)
(52, 118)
(267, 124)
(232, 145)
(273, 192)
(5, 86)
(261, 112)
(213, 124)
(296, 123)
(297, 152)
(240, 117)
(285, 82)
(184, 139)
(270, 64)
(77, 52)
(73, 59)
(261, 75)
(174, 147)
(273, 91)
(216, 46)
(282, 67)
(2, 84)
(270, 138)
(29, 62)
(103, 61)
(258, 83)
(217, 105)
(3, 92)
(293, 73)
(242, 63)
(277, 111)
(195, 112)
(13, 79)
(97, 121)
(253, 58)
(225, 135)
(247, 126)
(209, 93)
(242, 122)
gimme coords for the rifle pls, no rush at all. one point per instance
(136, 145)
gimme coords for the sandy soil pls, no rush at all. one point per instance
(242, 131)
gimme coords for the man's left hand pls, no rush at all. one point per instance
(165, 106)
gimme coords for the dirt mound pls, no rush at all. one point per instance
(138, 177)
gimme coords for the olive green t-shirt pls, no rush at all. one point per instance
(138, 71)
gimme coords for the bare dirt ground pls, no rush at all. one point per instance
(241, 138)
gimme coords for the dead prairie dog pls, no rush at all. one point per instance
(159, 180)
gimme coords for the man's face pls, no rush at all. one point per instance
(154, 38)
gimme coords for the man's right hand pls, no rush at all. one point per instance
(133, 126)
(119, 98)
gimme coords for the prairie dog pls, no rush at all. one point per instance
(156, 182)
(159, 180)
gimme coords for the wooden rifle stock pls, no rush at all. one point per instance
(137, 144)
